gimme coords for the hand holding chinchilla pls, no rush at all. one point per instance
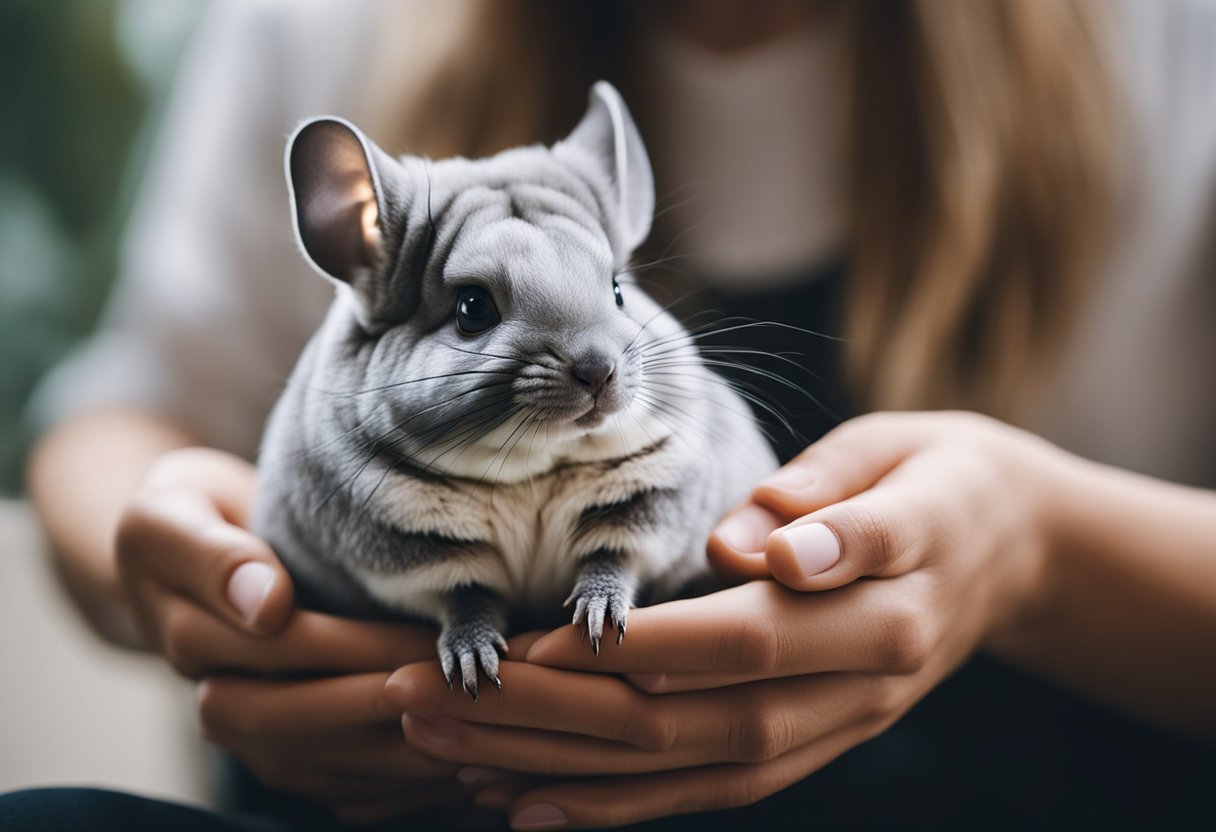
(488, 422)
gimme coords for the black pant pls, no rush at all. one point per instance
(991, 748)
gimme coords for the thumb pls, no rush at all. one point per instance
(259, 589)
(183, 542)
(872, 534)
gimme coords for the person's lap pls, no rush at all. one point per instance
(991, 748)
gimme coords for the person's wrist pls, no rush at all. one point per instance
(1051, 479)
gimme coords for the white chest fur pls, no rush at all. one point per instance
(532, 526)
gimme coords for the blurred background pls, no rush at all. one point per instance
(81, 86)
(81, 82)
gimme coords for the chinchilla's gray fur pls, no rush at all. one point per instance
(578, 448)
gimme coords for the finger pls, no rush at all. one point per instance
(520, 644)
(885, 531)
(736, 546)
(537, 697)
(253, 707)
(760, 629)
(752, 724)
(845, 462)
(197, 643)
(182, 540)
(659, 683)
(360, 762)
(619, 801)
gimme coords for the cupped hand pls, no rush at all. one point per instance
(183, 549)
(904, 542)
(331, 736)
(296, 695)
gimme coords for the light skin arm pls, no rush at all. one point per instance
(81, 476)
(151, 538)
(1126, 607)
(1116, 596)
(904, 543)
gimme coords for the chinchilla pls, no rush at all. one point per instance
(493, 417)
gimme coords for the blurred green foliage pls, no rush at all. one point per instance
(72, 102)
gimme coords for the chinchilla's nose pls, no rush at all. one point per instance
(594, 371)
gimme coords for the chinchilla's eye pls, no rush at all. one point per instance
(616, 290)
(475, 310)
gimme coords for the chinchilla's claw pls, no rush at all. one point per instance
(602, 597)
(471, 648)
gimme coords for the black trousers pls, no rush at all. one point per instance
(991, 748)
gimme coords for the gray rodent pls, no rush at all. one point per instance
(488, 420)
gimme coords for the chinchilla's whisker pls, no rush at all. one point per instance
(346, 434)
(659, 402)
(513, 358)
(667, 364)
(461, 438)
(667, 389)
(709, 330)
(663, 309)
(683, 421)
(738, 384)
(496, 395)
(684, 232)
(641, 425)
(717, 356)
(698, 186)
(375, 446)
(396, 384)
(516, 430)
(785, 357)
(532, 427)
(692, 332)
(653, 264)
(756, 396)
(475, 424)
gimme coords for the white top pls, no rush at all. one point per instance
(214, 302)
(751, 153)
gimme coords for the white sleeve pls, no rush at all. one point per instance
(213, 301)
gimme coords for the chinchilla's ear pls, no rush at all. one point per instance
(343, 191)
(608, 133)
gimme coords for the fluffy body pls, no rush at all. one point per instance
(473, 479)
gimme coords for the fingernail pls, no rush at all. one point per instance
(436, 731)
(814, 546)
(791, 478)
(471, 776)
(745, 530)
(249, 586)
(539, 816)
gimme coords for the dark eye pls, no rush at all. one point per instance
(616, 290)
(475, 310)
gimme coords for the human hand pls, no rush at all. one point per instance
(322, 729)
(213, 598)
(183, 552)
(929, 530)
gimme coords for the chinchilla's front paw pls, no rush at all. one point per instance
(467, 646)
(601, 592)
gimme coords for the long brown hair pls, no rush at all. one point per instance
(981, 179)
